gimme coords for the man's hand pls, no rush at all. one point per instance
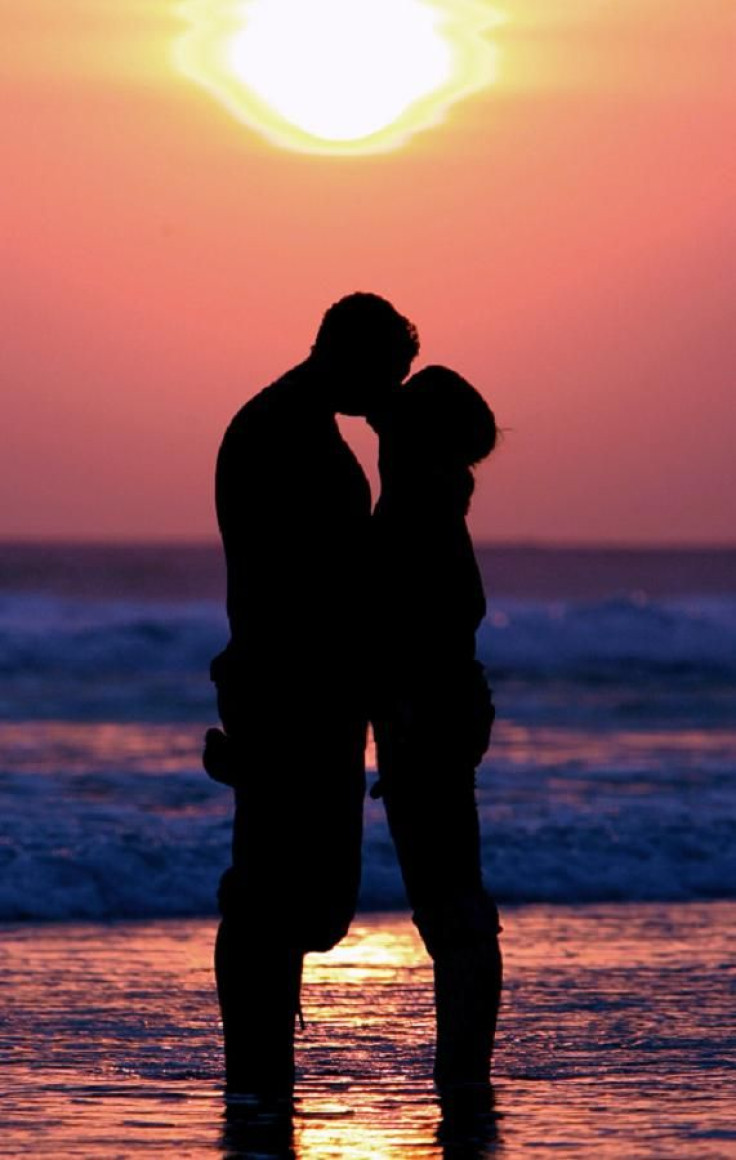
(218, 757)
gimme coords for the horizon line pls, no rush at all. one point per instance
(530, 544)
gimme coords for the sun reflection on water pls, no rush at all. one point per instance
(338, 76)
(613, 1018)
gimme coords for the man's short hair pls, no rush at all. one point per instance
(367, 326)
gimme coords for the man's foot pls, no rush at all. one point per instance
(468, 1099)
(469, 1118)
(258, 1126)
(268, 1104)
(258, 987)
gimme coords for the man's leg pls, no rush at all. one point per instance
(258, 957)
(434, 823)
(292, 888)
(258, 985)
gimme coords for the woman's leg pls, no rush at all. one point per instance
(433, 818)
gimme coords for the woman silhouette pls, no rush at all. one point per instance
(432, 710)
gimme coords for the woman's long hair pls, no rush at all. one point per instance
(440, 425)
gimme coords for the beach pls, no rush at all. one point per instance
(616, 1039)
(608, 810)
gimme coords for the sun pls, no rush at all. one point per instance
(338, 76)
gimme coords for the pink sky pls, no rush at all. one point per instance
(566, 240)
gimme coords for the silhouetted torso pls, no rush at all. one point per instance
(429, 602)
(293, 507)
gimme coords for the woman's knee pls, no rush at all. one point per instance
(451, 923)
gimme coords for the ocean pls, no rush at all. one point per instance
(611, 775)
(607, 806)
(616, 1040)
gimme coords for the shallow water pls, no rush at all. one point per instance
(616, 1038)
(116, 820)
(611, 775)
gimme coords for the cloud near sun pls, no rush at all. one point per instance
(338, 76)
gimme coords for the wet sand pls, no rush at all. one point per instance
(617, 1039)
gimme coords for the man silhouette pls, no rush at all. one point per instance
(293, 507)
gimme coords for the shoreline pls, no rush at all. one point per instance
(614, 1039)
(380, 915)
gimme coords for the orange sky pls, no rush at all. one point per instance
(566, 240)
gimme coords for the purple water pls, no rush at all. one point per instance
(612, 774)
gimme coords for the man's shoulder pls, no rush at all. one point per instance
(269, 410)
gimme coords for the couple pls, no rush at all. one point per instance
(338, 617)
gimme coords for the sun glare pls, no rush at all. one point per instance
(338, 76)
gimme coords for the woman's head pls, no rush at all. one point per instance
(436, 430)
(438, 415)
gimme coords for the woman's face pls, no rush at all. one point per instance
(413, 433)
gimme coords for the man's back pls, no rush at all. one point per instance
(293, 507)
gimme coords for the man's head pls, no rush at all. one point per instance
(364, 349)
